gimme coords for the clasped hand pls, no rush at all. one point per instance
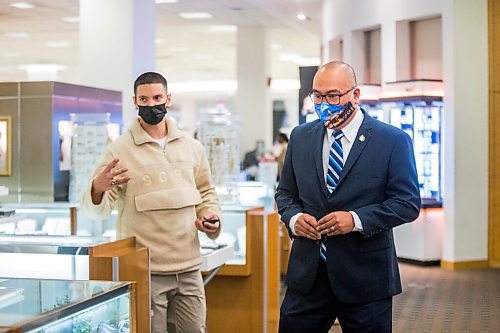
(333, 224)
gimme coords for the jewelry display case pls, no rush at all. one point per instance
(79, 258)
(59, 306)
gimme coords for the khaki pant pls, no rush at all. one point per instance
(178, 303)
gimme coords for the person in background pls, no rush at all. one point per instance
(348, 179)
(283, 142)
(158, 179)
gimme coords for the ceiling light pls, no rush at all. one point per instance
(223, 28)
(71, 19)
(203, 56)
(22, 5)
(9, 54)
(195, 15)
(166, 1)
(302, 17)
(59, 44)
(49, 67)
(159, 41)
(17, 34)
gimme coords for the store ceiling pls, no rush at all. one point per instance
(187, 50)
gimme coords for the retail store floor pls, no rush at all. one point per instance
(438, 300)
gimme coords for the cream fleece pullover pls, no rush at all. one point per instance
(167, 191)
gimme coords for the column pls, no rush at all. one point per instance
(117, 44)
(253, 101)
(465, 67)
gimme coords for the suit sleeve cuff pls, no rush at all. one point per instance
(292, 223)
(357, 222)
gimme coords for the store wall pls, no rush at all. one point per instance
(465, 132)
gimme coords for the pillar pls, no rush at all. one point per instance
(117, 44)
(253, 101)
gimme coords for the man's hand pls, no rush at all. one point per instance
(336, 223)
(305, 226)
(107, 179)
(210, 224)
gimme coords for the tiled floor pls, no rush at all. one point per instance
(437, 300)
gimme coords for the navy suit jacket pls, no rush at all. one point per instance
(379, 182)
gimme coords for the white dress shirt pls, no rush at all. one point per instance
(350, 132)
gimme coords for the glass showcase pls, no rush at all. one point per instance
(58, 306)
(422, 121)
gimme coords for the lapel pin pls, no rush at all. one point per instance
(362, 138)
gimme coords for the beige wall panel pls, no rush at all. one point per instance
(8, 89)
(8, 107)
(37, 88)
(36, 150)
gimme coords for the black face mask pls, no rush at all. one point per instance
(152, 114)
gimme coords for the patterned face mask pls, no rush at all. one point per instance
(335, 118)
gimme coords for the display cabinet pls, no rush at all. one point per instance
(53, 219)
(79, 258)
(421, 119)
(42, 134)
(58, 306)
(253, 275)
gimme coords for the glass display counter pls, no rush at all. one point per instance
(63, 257)
(50, 306)
(52, 219)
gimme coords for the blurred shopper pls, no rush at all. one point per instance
(348, 179)
(280, 158)
(158, 179)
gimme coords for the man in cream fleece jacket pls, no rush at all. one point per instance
(158, 179)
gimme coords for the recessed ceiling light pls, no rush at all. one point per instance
(223, 28)
(302, 17)
(58, 44)
(159, 41)
(22, 5)
(166, 1)
(17, 34)
(71, 19)
(195, 15)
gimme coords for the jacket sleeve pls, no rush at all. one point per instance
(402, 203)
(287, 194)
(209, 200)
(103, 210)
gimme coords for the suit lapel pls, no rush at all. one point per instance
(360, 142)
(317, 133)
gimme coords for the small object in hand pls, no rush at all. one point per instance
(212, 220)
(113, 182)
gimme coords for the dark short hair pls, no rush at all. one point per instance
(149, 78)
(283, 137)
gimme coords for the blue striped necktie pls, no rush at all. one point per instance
(335, 166)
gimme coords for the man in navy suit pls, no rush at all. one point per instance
(347, 180)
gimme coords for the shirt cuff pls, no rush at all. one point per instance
(357, 222)
(292, 223)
